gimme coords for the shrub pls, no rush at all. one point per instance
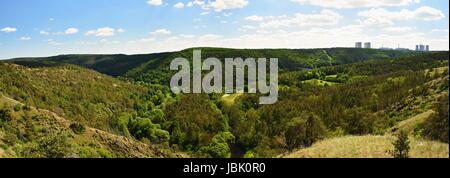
(77, 128)
(5, 115)
(26, 107)
(51, 146)
(220, 145)
(17, 107)
(303, 132)
(161, 136)
(437, 127)
(401, 146)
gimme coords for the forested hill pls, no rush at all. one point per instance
(114, 65)
(289, 59)
(349, 92)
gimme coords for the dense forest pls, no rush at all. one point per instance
(323, 94)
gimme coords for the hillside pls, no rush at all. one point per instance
(341, 92)
(154, 68)
(410, 114)
(29, 132)
(72, 92)
(157, 71)
(368, 147)
(113, 65)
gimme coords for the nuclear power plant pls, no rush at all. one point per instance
(368, 45)
(360, 45)
(423, 48)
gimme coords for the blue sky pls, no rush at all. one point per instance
(53, 27)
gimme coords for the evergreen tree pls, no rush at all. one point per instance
(401, 146)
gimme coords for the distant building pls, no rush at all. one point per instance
(422, 48)
(358, 45)
(367, 45)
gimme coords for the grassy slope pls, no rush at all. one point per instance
(369, 147)
(409, 125)
(91, 143)
(229, 99)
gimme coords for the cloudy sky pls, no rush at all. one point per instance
(53, 27)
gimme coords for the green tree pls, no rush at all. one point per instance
(220, 145)
(54, 145)
(303, 131)
(401, 146)
(437, 127)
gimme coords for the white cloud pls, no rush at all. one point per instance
(108, 42)
(324, 18)
(43, 32)
(220, 5)
(356, 3)
(440, 30)
(205, 13)
(428, 13)
(315, 37)
(70, 31)
(227, 14)
(209, 37)
(25, 38)
(120, 30)
(51, 19)
(179, 5)
(160, 32)
(187, 36)
(8, 29)
(254, 18)
(399, 29)
(155, 2)
(200, 3)
(245, 28)
(101, 32)
(53, 42)
(381, 17)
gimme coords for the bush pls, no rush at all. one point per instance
(144, 128)
(17, 108)
(304, 131)
(401, 146)
(77, 128)
(220, 145)
(52, 146)
(437, 127)
(5, 115)
(161, 136)
(26, 107)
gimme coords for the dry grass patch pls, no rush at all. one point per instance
(369, 147)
